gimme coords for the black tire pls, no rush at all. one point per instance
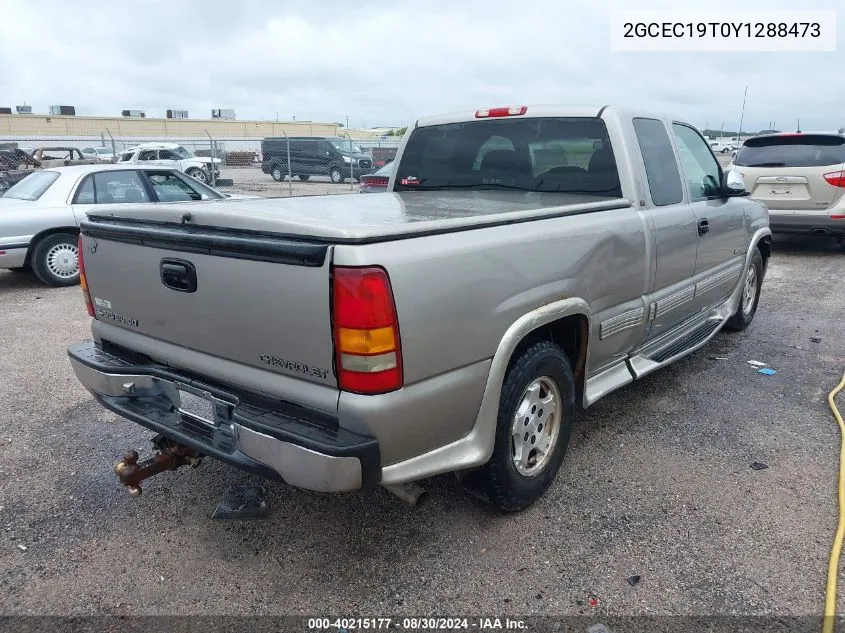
(54, 254)
(304, 177)
(336, 175)
(198, 174)
(498, 482)
(745, 312)
(277, 173)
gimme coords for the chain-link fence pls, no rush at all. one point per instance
(271, 165)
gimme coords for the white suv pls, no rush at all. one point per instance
(172, 156)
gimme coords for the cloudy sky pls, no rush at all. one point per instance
(384, 63)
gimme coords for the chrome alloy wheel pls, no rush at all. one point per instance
(63, 261)
(536, 426)
(749, 290)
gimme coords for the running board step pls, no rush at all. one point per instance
(699, 334)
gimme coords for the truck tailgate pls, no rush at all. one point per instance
(257, 300)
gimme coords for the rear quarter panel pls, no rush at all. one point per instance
(457, 293)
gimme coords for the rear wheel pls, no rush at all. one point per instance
(536, 415)
(55, 260)
(304, 177)
(750, 295)
(277, 173)
(336, 175)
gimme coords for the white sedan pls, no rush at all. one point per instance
(40, 215)
(103, 154)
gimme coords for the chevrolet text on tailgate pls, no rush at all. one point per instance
(524, 262)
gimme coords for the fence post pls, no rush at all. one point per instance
(351, 163)
(214, 152)
(113, 147)
(211, 168)
(290, 177)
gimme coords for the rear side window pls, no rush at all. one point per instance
(664, 179)
(553, 154)
(119, 186)
(85, 193)
(800, 150)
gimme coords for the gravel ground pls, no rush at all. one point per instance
(657, 483)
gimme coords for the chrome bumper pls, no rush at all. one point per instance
(242, 435)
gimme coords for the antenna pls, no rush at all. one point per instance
(799, 124)
(742, 115)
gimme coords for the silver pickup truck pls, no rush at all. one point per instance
(524, 262)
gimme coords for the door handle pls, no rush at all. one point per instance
(703, 227)
(178, 275)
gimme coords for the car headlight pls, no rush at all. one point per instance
(346, 159)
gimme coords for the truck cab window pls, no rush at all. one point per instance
(563, 155)
(664, 178)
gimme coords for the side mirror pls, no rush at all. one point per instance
(734, 184)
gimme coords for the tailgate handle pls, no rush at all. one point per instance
(179, 275)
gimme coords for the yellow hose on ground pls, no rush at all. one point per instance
(833, 564)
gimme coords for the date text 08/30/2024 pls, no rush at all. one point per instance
(346, 625)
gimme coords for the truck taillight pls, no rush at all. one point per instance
(366, 331)
(497, 112)
(836, 178)
(83, 281)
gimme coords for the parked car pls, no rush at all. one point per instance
(801, 179)
(383, 155)
(377, 181)
(103, 154)
(61, 157)
(337, 158)
(722, 148)
(174, 156)
(40, 215)
(468, 309)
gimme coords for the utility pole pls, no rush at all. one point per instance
(347, 121)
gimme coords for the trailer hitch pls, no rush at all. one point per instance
(169, 455)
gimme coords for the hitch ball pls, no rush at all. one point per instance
(169, 456)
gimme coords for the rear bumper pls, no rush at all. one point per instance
(786, 221)
(272, 439)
